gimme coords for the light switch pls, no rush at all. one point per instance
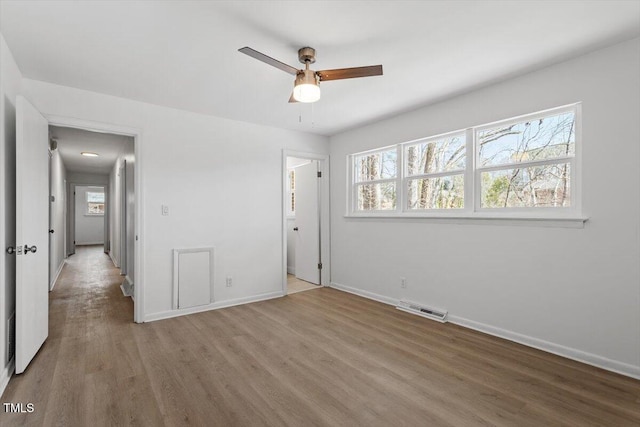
(165, 210)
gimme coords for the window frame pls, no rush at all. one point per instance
(353, 192)
(550, 212)
(472, 177)
(406, 177)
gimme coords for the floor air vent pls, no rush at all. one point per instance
(420, 310)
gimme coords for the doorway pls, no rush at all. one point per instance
(305, 222)
(97, 171)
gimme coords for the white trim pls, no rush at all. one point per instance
(55, 277)
(472, 177)
(365, 294)
(137, 135)
(113, 260)
(465, 219)
(214, 306)
(560, 350)
(89, 243)
(6, 374)
(324, 217)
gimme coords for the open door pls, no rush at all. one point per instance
(32, 236)
(307, 223)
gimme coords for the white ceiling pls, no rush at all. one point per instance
(71, 142)
(183, 54)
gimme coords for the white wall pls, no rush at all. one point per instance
(221, 179)
(572, 291)
(116, 205)
(57, 219)
(10, 87)
(130, 217)
(89, 228)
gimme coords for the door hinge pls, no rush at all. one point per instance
(319, 266)
(319, 174)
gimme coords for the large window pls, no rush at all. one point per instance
(521, 167)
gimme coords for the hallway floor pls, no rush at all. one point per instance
(90, 353)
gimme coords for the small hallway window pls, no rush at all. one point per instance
(95, 203)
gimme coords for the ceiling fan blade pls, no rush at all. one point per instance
(269, 60)
(292, 99)
(350, 73)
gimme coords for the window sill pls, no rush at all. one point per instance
(527, 221)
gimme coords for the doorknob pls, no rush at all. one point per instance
(31, 249)
(51, 231)
(11, 250)
(295, 228)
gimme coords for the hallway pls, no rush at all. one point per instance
(89, 351)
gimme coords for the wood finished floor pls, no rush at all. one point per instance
(296, 285)
(322, 358)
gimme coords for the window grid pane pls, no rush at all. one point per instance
(445, 192)
(532, 140)
(442, 155)
(376, 166)
(528, 187)
(372, 197)
(95, 208)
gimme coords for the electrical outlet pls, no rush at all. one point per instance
(403, 282)
(229, 281)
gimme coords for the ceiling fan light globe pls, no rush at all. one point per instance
(306, 92)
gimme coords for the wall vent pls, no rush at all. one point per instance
(421, 310)
(11, 337)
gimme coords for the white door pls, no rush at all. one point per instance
(307, 223)
(32, 221)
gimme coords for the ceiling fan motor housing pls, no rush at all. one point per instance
(307, 55)
(306, 77)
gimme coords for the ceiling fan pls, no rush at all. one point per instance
(306, 87)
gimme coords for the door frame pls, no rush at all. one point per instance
(323, 199)
(71, 219)
(136, 134)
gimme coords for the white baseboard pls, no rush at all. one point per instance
(55, 279)
(128, 280)
(89, 243)
(113, 260)
(213, 306)
(560, 350)
(291, 270)
(5, 376)
(370, 295)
